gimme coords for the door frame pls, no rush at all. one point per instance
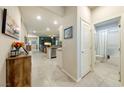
(81, 19)
(121, 44)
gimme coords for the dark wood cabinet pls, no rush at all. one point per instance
(18, 71)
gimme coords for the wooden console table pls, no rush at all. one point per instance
(18, 71)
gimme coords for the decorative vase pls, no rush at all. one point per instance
(17, 51)
(13, 53)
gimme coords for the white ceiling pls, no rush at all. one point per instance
(29, 14)
(48, 14)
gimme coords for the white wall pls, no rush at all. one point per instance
(6, 41)
(69, 45)
(61, 34)
(23, 33)
(105, 13)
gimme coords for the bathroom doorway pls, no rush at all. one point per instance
(107, 46)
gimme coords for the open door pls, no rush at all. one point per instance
(85, 48)
(108, 46)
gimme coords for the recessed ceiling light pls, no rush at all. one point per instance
(48, 29)
(55, 22)
(38, 17)
(34, 31)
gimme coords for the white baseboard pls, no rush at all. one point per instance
(74, 79)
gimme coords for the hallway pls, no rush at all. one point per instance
(45, 73)
(108, 73)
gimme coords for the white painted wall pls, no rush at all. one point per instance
(61, 33)
(105, 13)
(71, 47)
(6, 41)
(23, 33)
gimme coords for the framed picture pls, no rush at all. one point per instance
(68, 33)
(9, 26)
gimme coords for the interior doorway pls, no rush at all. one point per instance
(107, 46)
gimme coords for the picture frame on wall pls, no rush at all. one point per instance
(9, 26)
(68, 33)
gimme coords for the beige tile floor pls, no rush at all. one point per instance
(45, 73)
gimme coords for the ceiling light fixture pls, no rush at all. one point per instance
(34, 31)
(55, 22)
(38, 17)
(48, 29)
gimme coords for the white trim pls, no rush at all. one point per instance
(106, 18)
(85, 22)
(122, 49)
(74, 79)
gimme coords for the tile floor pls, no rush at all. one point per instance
(45, 73)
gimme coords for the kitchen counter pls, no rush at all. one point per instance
(59, 57)
(51, 52)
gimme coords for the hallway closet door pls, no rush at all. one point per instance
(113, 47)
(85, 48)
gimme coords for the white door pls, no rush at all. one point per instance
(85, 48)
(113, 48)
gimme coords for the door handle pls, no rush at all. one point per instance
(119, 49)
(82, 51)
